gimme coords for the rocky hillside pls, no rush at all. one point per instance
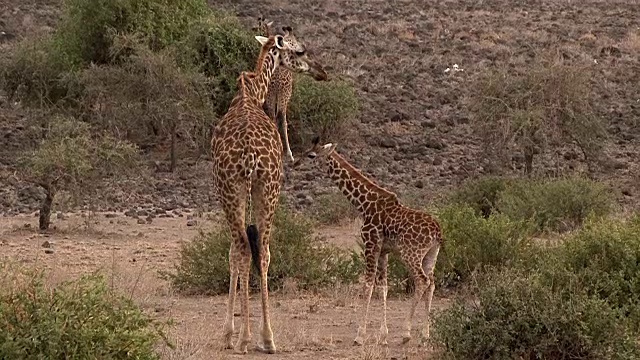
(414, 133)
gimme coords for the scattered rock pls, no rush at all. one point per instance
(388, 142)
(192, 222)
(435, 144)
(48, 251)
(110, 215)
(131, 213)
(437, 160)
(141, 221)
(419, 184)
(47, 244)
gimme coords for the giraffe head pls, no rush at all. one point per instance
(316, 151)
(292, 55)
(267, 28)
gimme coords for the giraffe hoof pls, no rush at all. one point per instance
(241, 347)
(406, 338)
(228, 344)
(358, 341)
(267, 349)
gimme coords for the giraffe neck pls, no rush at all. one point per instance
(254, 86)
(354, 185)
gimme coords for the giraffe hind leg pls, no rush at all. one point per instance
(421, 284)
(428, 264)
(265, 197)
(239, 262)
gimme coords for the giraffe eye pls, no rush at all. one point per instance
(312, 155)
(300, 53)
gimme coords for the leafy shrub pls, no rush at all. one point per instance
(71, 157)
(549, 104)
(473, 243)
(333, 208)
(221, 48)
(148, 98)
(87, 27)
(37, 72)
(481, 194)
(82, 319)
(558, 204)
(204, 263)
(518, 316)
(321, 108)
(602, 260)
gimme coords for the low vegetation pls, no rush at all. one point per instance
(551, 204)
(81, 319)
(519, 316)
(578, 302)
(295, 255)
(476, 244)
(556, 205)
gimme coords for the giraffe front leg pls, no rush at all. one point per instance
(282, 123)
(382, 284)
(371, 254)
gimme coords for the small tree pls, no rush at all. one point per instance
(148, 97)
(544, 106)
(69, 157)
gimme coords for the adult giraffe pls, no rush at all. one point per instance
(247, 160)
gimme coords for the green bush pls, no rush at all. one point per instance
(82, 319)
(321, 108)
(38, 73)
(148, 98)
(481, 194)
(204, 262)
(221, 48)
(558, 204)
(517, 316)
(473, 243)
(87, 27)
(333, 208)
(602, 260)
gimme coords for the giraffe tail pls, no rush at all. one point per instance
(254, 244)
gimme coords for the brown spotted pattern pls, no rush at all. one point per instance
(388, 226)
(247, 165)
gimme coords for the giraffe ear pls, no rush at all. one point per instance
(261, 39)
(279, 41)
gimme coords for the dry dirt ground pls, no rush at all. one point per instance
(131, 254)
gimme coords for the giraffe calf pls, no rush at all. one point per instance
(388, 226)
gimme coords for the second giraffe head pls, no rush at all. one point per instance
(317, 151)
(292, 56)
